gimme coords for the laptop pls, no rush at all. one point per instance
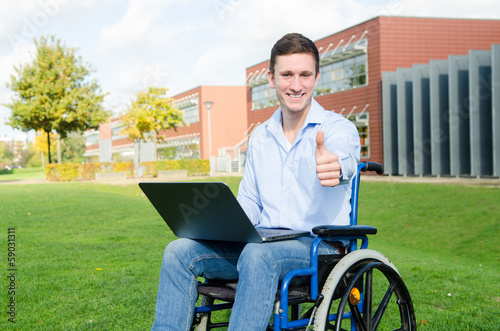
(208, 211)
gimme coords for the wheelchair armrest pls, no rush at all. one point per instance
(344, 230)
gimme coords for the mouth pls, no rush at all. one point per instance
(296, 96)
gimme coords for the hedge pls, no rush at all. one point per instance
(196, 167)
(87, 171)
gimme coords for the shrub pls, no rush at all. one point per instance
(63, 172)
(196, 167)
(89, 169)
(127, 167)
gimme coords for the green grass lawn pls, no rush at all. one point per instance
(88, 255)
(21, 174)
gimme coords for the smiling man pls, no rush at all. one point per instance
(297, 174)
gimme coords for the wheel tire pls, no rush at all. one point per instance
(361, 264)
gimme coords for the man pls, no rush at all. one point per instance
(299, 165)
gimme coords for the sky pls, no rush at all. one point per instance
(183, 44)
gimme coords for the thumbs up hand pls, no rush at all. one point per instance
(327, 163)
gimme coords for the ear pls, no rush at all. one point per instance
(270, 77)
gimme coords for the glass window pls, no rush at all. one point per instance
(117, 133)
(343, 75)
(92, 139)
(191, 114)
(179, 152)
(190, 110)
(263, 96)
(361, 121)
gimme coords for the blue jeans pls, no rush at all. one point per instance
(259, 268)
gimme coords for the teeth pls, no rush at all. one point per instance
(295, 95)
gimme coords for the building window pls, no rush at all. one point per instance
(361, 121)
(179, 152)
(92, 139)
(263, 96)
(117, 133)
(343, 75)
(191, 114)
(190, 109)
(127, 156)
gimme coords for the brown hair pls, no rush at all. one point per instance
(293, 43)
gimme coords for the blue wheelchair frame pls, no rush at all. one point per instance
(353, 233)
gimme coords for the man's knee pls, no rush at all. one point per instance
(178, 251)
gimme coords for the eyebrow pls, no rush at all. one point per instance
(287, 72)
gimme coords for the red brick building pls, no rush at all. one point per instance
(352, 62)
(228, 123)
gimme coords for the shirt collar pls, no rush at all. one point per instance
(315, 115)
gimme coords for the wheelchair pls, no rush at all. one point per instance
(357, 290)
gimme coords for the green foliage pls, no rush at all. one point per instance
(127, 167)
(54, 92)
(73, 148)
(63, 172)
(196, 167)
(151, 112)
(88, 170)
(6, 155)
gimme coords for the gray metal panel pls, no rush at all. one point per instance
(481, 139)
(405, 121)
(389, 122)
(459, 115)
(146, 151)
(440, 117)
(421, 119)
(105, 154)
(495, 85)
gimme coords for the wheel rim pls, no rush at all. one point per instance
(391, 298)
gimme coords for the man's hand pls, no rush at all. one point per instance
(327, 163)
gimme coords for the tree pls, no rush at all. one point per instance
(150, 114)
(6, 155)
(54, 93)
(73, 148)
(40, 144)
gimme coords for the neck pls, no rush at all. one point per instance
(292, 122)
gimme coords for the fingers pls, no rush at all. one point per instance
(327, 163)
(320, 144)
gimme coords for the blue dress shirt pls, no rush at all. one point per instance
(280, 187)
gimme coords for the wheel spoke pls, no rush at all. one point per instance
(383, 306)
(356, 315)
(367, 300)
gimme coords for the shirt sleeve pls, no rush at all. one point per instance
(248, 193)
(342, 138)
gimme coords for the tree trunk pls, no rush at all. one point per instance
(59, 149)
(48, 147)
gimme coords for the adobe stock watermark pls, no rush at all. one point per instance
(201, 200)
(222, 7)
(31, 26)
(388, 11)
(11, 275)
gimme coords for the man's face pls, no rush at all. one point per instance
(294, 80)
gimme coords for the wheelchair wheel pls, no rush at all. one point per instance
(365, 290)
(205, 317)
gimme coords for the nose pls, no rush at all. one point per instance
(295, 84)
